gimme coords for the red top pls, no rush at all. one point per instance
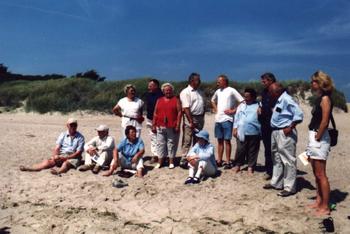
(166, 112)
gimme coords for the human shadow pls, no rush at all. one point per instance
(304, 184)
(337, 196)
(5, 230)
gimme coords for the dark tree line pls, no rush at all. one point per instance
(6, 75)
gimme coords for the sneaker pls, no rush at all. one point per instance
(171, 166)
(195, 180)
(96, 169)
(86, 167)
(285, 193)
(189, 180)
(157, 166)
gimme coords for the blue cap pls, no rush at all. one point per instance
(203, 134)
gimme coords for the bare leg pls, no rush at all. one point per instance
(46, 164)
(228, 150)
(317, 202)
(139, 173)
(323, 185)
(63, 169)
(220, 150)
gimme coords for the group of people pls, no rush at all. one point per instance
(272, 120)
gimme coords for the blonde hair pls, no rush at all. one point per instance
(165, 85)
(127, 87)
(324, 81)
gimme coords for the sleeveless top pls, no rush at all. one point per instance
(166, 112)
(317, 113)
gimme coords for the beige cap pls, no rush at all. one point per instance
(102, 127)
(72, 120)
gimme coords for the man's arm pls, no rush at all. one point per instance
(138, 155)
(179, 114)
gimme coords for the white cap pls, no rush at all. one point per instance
(102, 127)
(72, 120)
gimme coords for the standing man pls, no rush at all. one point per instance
(224, 102)
(267, 103)
(151, 97)
(193, 106)
(285, 116)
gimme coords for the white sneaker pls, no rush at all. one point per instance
(171, 166)
(157, 166)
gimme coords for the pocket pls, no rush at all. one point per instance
(312, 140)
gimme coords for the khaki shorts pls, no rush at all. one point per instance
(75, 162)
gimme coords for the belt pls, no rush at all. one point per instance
(198, 115)
(313, 129)
(274, 129)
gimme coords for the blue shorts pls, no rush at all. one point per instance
(223, 130)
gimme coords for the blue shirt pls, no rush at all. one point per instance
(205, 152)
(68, 144)
(246, 119)
(285, 112)
(129, 149)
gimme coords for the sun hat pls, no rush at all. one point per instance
(102, 128)
(203, 134)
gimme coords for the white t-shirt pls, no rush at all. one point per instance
(225, 99)
(193, 99)
(130, 109)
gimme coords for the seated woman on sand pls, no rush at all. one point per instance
(201, 159)
(128, 154)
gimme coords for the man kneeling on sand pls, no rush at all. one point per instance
(67, 153)
(128, 154)
(201, 158)
(98, 151)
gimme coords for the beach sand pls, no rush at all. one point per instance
(81, 202)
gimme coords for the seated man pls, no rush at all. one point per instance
(67, 153)
(98, 151)
(128, 154)
(201, 158)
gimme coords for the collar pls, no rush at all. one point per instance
(191, 88)
(282, 96)
(67, 134)
(131, 143)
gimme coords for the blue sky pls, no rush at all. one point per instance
(170, 39)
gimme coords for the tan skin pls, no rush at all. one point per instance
(168, 94)
(222, 84)
(56, 159)
(319, 166)
(132, 138)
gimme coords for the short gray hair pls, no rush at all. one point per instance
(167, 84)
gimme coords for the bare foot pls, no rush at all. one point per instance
(313, 205)
(139, 174)
(250, 171)
(54, 172)
(322, 212)
(236, 169)
(23, 168)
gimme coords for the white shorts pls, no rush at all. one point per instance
(318, 149)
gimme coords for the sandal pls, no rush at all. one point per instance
(227, 165)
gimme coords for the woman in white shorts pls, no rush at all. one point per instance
(319, 141)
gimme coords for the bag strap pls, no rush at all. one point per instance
(332, 121)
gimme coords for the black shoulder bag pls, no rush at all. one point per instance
(333, 132)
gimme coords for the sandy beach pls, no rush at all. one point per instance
(81, 202)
